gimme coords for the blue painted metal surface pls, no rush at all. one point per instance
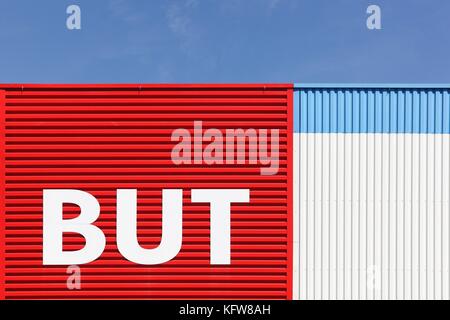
(372, 108)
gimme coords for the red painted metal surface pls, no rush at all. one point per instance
(2, 194)
(100, 138)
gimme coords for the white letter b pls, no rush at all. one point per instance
(54, 226)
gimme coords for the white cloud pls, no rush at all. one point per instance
(273, 4)
(122, 10)
(178, 20)
(180, 23)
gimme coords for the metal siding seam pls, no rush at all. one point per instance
(129, 86)
(296, 200)
(2, 194)
(290, 190)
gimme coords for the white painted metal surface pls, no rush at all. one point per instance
(373, 212)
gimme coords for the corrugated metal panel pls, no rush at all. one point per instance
(99, 138)
(373, 167)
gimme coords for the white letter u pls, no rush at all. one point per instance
(172, 228)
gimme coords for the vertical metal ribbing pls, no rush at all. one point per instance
(401, 163)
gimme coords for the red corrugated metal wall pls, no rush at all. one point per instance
(99, 138)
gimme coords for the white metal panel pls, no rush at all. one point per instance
(296, 220)
(374, 215)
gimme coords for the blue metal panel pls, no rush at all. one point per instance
(372, 109)
(371, 86)
(296, 111)
(445, 112)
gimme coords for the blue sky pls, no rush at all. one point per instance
(223, 41)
